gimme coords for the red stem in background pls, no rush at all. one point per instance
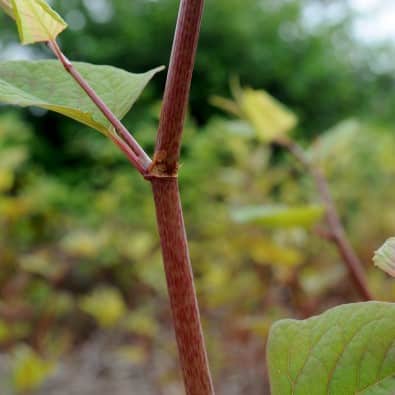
(337, 233)
(163, 176)
(133, 150)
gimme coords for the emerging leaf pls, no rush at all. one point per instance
(347, 350)
(279, 216)
(45, 84)
(36, 20)
(384, 257)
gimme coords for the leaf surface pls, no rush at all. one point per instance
(45, 84)
(349, 350)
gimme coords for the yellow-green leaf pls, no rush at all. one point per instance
(105, 304)
(268, 116)
(29, 370)
(36, 21)
(279, 216)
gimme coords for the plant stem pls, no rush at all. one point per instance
(162, 173)
(136, 154)
(163, 176)
(129, 153)
(337, 233)
(184, 306)
(177, 89)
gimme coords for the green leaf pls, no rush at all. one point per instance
(279, 216)
(384, 387)
(7, 7)
(36, 20)
(348, 350)
(45, 84)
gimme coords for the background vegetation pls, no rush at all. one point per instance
(79, 253)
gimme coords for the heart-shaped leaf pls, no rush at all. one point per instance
(45, 84)
(36, 20)
(348, 350)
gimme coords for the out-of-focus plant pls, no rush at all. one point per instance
(273, 123)
(294, 347)
(260, 263)
(29, 370)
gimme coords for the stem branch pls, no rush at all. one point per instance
(132, 148)
(337, 232)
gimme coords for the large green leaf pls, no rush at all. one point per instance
(45, 84)
(279, 216)
(348, 350)
(36, 21)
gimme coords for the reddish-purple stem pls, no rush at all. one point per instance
(178, 84)
(337, 234)
(162, 172)
(185, 311)
(129, 153)
(143, 159)
(163, 176)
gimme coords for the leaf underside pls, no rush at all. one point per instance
(45, 84)
(348, 350)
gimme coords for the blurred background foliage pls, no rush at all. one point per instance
(79, 252)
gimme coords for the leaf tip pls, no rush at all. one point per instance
(384, 257)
